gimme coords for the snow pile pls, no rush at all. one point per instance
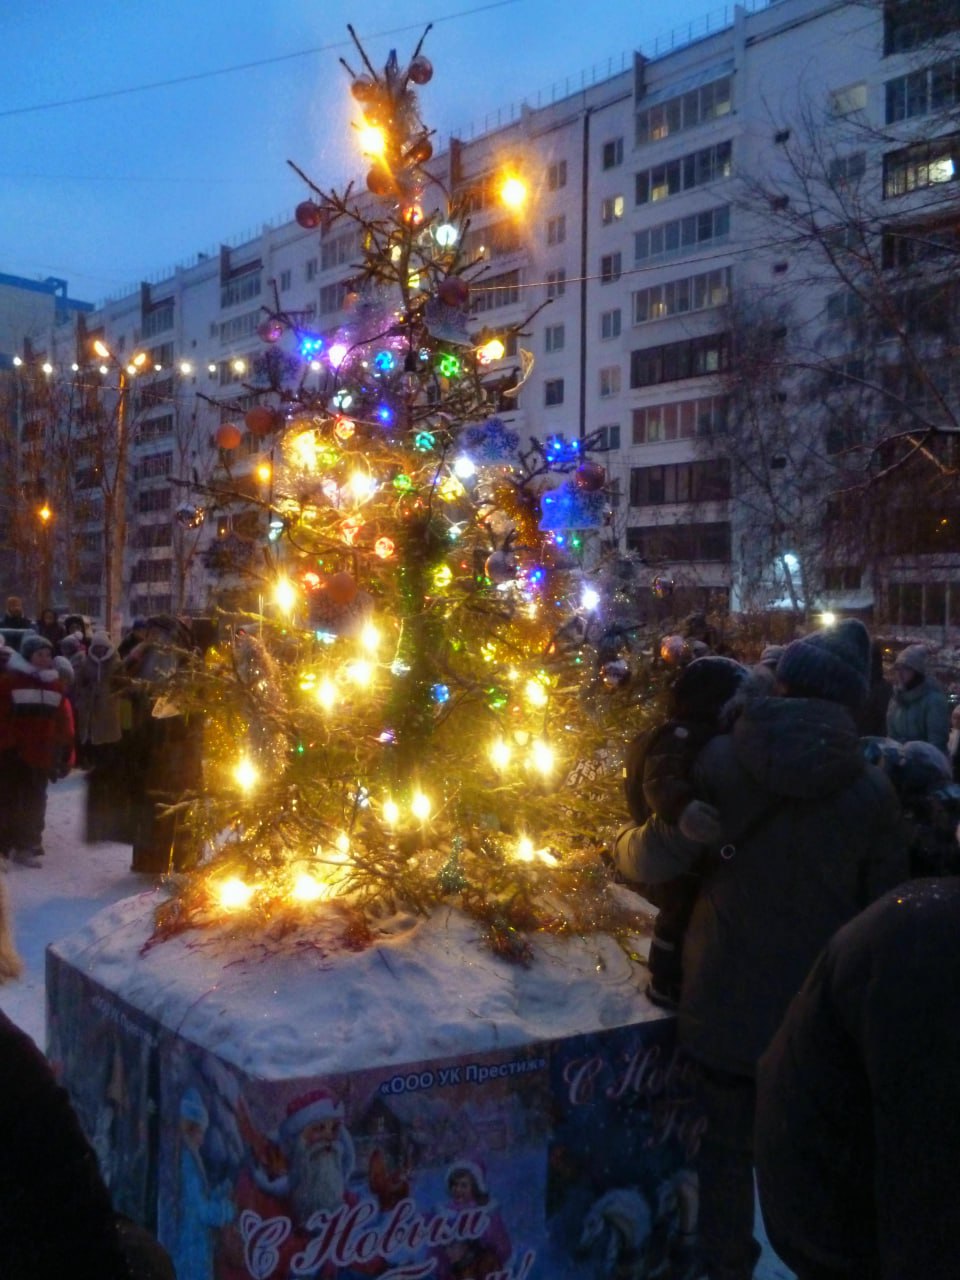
(303, 1005)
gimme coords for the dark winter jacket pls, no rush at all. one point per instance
(97, 699)
(920, 714)
(56, 1219)
(658, 768)
(872, 718)
(858, 1128)
(813, 835)
(35, 719)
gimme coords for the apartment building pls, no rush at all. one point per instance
(665, 219)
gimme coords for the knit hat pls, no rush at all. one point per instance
(70, 644)
(833, 664)
(914, 658)
(704, 687)
(31, 642)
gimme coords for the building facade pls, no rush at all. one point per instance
(679, 258)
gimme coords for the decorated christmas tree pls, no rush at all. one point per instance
(426, 700)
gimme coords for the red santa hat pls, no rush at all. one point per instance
(319, 1104)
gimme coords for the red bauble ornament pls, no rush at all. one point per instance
(260, 420)
(420, 70)
(379, 182)
(590, 476)
(363, 88)
(341, 587)
(420, 152)
(309, 214)
(270, 330)
(453, 291)
(228, 435)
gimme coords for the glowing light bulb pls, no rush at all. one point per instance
(370, 638)
(362, 486)
(535, 693)
(828, 619)
(327, 694)
(238, 366)
(542, 757)
(344, 429)
(589, 599)
(420, 806)
(234, 894)
(442, 576)
(446, 235)
(304, 450)
(490, 351)
(500, 753)
(513, 192)
(337, 354)
(464, 468)
(524, 851)
(343, 843)
(285, 595)
(384, 548)
(360, 672)
(264, 472)
(450, 489)
(372, 140)
(246, 774)
(307, 888)
(391, 812)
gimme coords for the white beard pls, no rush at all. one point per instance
(316, 1181)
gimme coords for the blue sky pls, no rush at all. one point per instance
(109, 191)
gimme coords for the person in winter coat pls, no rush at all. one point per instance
(918, 711)
(15, 619)
(858, 1126)
(163, 752)
(872, 718)
(50, 628)
(658, 778)
(36, 744)
(56, 1219)
(811, 835)
(98, 706)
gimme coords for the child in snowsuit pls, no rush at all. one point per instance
(36, 744)
(658, 779)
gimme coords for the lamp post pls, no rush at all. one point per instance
(114, 486)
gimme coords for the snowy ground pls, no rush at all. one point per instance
(74, 883)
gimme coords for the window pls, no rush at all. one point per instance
(158, 320)
(708, 541)
(161, 356)
(701, 292)
(671, 238)
(905, 245)
(610, 324)
(705, 481)
(907, 24)
(924, 164)
(611, 266)
(611, 209)
(842, 578)
(680, 420)
(331, 297)
(556, 283)
(90, 543)
(553, 391)
(693, 170)
(154, 428)
(674, 361)
(155, 464)
(609, 381)
(338, 250)
(847, 169)
(153, 535)
(556, 175)
(310, 269)
(152, 570)
(286, 279)
(921, 92)
(844, 102)
(845, 304)
(557, 229)
(153, 500)
(685, 111)
(609, 436)
(495, 291)
(612, 153)
(553, 337)
(242, 289)
(243, 326)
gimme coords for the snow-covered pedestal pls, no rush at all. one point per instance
(286, 1106)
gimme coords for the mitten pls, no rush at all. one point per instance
(700, 822)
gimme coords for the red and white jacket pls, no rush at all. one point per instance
(35, 717)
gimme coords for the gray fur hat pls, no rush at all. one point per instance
(914, 658)
(31, 642)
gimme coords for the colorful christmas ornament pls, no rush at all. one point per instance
(420, 70)
(453, 291)
(616, 673)
(501, 566)
(590, 476)
(364, 89)
(228, 435)
(261, 420)
(308, 214)
(379, 182)
(270, 330)
(662, 587)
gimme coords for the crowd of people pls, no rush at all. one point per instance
(772, 824)
(70, 696)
